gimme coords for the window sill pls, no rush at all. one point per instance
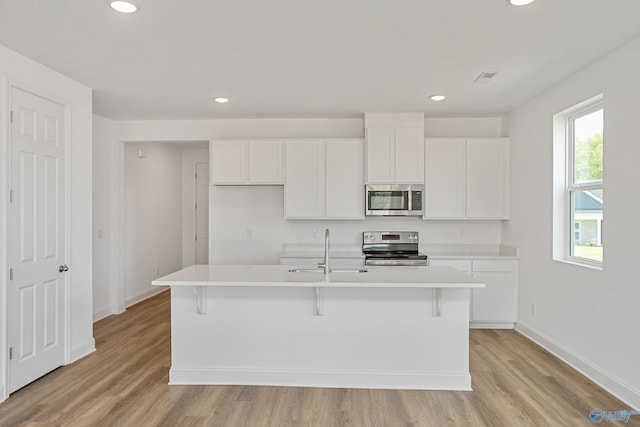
(586, 264)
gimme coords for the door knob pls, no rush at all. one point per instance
(63, 268)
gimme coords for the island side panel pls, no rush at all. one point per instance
(367, 338)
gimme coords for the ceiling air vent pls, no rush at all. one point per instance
(484, 77)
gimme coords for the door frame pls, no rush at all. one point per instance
(6, 86)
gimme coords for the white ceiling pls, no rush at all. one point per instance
(302, 58)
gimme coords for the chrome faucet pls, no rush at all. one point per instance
(325, 265)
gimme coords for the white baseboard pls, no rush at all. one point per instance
(491, 325)
(3, 397)
(99, 315)
(88, 347)
(102, 314)
(146, 295)
(370, 380)
(615, 386)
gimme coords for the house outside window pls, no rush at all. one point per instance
(578, 183)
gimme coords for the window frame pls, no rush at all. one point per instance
(564, 186)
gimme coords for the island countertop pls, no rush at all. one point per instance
(280, 276)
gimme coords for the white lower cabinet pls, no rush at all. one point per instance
(496, 305)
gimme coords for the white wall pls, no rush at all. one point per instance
(153, 217)
(102, 228)
(19, 70)
(589, 317)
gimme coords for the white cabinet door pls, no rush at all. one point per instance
(344, 178)
(409, 155)
(265, 162)
(496, 305)
(241, 162)
(487, 178)
(304, 188)
(444, 178)
(228, 162)
(497, 301)
(395, 155)
(380, 155)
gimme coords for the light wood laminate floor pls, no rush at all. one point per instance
(124, 383)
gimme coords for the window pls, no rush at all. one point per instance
(578, 183)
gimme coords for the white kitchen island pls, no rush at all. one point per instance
(391, 327)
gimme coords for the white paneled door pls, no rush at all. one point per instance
(37, 258)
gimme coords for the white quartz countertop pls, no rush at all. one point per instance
(279, 276)
(470, 251)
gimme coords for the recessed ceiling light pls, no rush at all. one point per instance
(437, 97)
(221, 100)
(123, 6)
(520, 2)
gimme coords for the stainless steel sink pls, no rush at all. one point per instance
(333, 270)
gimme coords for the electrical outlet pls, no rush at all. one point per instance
(533, 309)
(249, 233)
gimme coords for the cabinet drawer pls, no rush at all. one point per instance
(458, 264)
(494, 265)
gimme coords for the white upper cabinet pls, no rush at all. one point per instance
(246, 162)
(394, 148)
(324, 179)
(345, 178)
(395, 155)
(466, 178)
(380, 155)
(409, 155)
(265, 161)
(228, 162)
(487, 178)
(304, 187)
(444, 195)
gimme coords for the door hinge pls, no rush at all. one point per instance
(10, 196)
(11, 274)
(11, 116)
(10, 353)
(195, 237)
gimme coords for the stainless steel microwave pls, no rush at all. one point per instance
(394, 200)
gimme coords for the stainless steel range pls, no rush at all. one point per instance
(392, 248)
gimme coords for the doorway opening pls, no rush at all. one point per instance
(166, 211)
